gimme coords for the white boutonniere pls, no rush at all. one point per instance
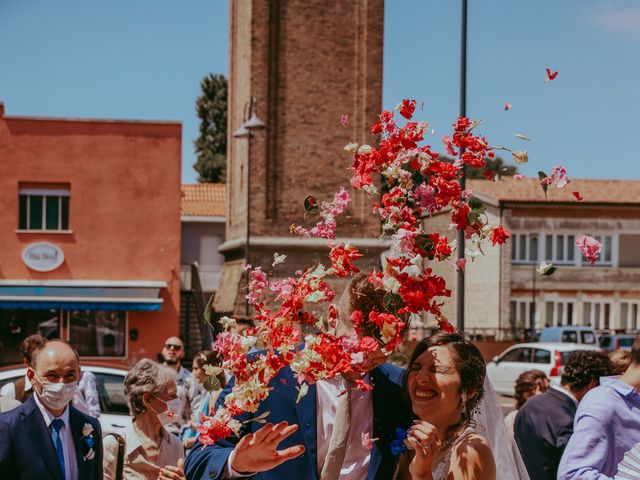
(88, 442)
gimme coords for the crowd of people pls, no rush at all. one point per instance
(436, 419)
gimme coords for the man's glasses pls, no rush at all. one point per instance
(172, 346)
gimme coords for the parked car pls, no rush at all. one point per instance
(505, 368)
(114, 412)
(569, 334)
(611, 343)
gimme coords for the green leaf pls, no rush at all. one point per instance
(549, 271)
(542, 176)
(212, 383)
(208, 309)
(311, 205)
(476, 205)
(392, 302)
(423, 243)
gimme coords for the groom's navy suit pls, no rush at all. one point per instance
(27, 451)
(389, 412)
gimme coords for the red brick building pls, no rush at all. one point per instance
(307, 64)
(90, 234)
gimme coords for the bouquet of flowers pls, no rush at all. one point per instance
(415, 185)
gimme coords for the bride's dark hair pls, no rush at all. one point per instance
(469, 365)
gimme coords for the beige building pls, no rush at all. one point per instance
(505, 294)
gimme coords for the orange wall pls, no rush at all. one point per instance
(124, 208)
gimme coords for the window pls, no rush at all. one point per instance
(16, 325)
(98, 333)
(518, 355)
(570, 336)
(588, 338)
(559, 313)
(597, 314)
(559, 248)
(524, 248)
(43, 209)
(522, 313)
(111, 392)
(605, 254)
(629, 315)
(541, 356)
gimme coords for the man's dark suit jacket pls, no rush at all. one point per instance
(27, 451)
(543, 427)
(389, 412)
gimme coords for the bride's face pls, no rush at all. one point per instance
(435, 387)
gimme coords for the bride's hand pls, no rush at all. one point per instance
(425, 440)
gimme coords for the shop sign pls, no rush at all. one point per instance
(43, 256)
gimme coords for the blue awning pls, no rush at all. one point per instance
(81, 295)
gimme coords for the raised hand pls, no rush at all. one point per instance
(257, 452)
(426, 442)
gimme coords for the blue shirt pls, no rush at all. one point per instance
(606, 426)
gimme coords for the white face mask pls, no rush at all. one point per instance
(56, 396)
(173, 408)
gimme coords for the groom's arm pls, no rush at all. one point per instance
(209, 461)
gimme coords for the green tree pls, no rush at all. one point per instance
(211, 145)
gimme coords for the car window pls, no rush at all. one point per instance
(588, 337)
(8, 380)
(111, 390)
(569, 336)
(627, 342)
(519, 355)
(605, 342)
(541, 356)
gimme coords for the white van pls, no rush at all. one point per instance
(569, 334)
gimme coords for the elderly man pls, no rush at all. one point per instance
(172, 355)
(46, 437)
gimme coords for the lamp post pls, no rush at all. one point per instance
(463, 113)
(246, 131)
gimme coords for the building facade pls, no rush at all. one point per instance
(306, 64)
(90, 235)
(506, 296)
(203, 209)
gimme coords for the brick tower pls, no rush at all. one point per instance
(307, 62)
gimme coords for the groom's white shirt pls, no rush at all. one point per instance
(357, 457)
(68, 447)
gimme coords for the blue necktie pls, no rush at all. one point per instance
(56, 426)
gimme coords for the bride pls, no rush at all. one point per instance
(455, 434)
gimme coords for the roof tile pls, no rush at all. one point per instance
(506, 189)
(203, 200)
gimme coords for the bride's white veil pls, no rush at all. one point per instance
(489, 422)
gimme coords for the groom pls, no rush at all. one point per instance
(46, 437)
(324, 435)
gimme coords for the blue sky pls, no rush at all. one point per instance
(144, 60)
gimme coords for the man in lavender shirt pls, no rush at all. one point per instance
(606, 426)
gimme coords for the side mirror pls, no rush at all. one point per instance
(496, 359)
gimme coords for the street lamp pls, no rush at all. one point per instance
(463, 113)
(246, 131)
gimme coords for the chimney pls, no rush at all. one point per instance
(1, 109)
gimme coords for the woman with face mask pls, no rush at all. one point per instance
(151, 452)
